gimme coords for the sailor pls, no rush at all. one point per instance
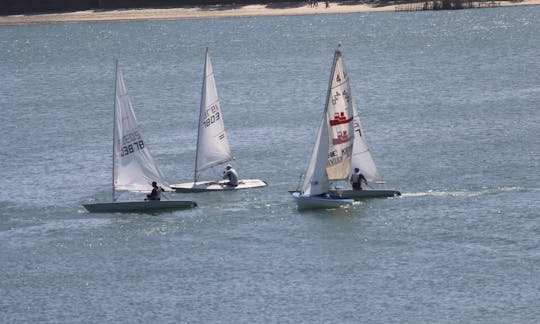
(156, 192)
(230, 174)
(356, 179)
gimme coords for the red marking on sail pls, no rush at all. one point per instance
(338, 79)
(343, 137)
(339, 118)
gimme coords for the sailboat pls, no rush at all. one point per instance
(134, 168)
(212, 143)
(331, 156)
(363, 160)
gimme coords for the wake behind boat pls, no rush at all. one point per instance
(366, 194)
(134, 167)
(212, 143)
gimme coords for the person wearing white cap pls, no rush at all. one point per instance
(230, 174)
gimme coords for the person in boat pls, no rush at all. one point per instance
(230, 174)
(356, 179)
(156, 192)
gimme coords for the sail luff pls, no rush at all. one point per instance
(201, 111)
(114, 135)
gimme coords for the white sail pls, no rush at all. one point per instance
(331, 156)
(316, 180)
(339, 113)
(212, 144)
(361, 157)
(134, 167)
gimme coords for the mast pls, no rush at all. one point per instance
(114, 133)
(337, 52)
(201, 109)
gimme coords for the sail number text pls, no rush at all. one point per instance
(211, 115)
(131, 143)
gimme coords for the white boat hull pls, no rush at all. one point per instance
(139, 206)
(204, 186)
(365, 194)
(320, 202)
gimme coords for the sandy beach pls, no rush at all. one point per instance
(206, 12)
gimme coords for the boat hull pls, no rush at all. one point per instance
(320, 202)
(139, 206)
(205, 186)
(365, 194)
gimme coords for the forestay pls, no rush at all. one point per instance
(212, 144)
(134, 167)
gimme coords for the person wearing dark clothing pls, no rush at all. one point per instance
(356, 179)
(156, 192)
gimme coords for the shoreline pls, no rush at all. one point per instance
(202, 12)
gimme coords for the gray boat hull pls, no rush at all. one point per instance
(139, 206)
(320, 201)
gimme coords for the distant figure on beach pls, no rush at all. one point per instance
(230, 174)
(156, 192)
(327, 4)
(356, 179)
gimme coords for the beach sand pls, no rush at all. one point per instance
(220, 11)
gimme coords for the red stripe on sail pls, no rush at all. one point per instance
(343, 137)
(339, 118)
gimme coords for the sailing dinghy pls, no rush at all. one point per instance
(361, 156)
(331, 156)
(134, 168)
(212, 144)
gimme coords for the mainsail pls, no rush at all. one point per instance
(134, 167)
(331, 156)
(212, 144)
(339, 112)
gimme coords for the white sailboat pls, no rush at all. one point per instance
(331, 156)
(134, 168)
(212, 143)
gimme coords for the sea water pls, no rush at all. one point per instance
(449, 102)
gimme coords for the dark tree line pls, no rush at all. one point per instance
(10, 7)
